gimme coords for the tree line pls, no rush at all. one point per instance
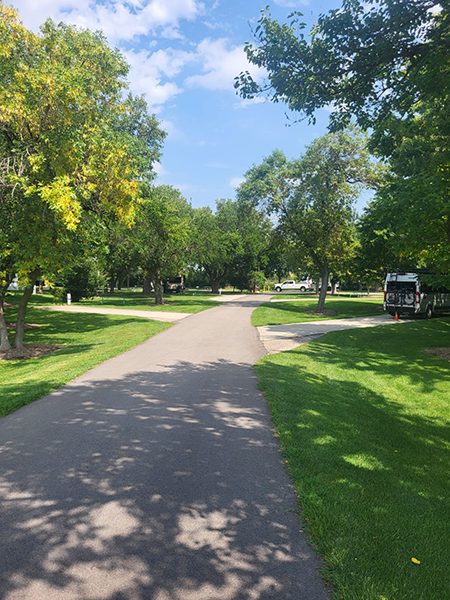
(78, 203)
(383, 65)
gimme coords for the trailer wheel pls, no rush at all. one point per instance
(428, 312)
(303, 289)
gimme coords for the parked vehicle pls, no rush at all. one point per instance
(405, 294)
(14, 285)
(290, 284)
(175, 285)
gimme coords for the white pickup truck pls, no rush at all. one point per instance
(290, 284)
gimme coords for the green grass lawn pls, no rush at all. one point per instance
(280, 313)
(305, 295)
(88, 340)
(187, 303)
(363, 421)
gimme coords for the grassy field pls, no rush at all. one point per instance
(172, 303)
(363, 421)
(88, 340)
(188, 303)
(378, 295)
(280, 313)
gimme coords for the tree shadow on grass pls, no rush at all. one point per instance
(164, 485)
(274, 312)
(372, 476)
(397, 352)
(54, 324)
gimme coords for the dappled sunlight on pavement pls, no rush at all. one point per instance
(162, 482)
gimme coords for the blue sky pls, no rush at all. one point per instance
(184, 55)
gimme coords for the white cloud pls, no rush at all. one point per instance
(221, 65)
(149, 70)
(118, 19)
(159, 169)
(245, 102)
(152, 73)
(171, 129)
(236, 182)
(291, 3)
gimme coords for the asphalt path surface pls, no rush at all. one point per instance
(157, 476)
(279, 338)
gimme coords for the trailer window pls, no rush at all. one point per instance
(395, 286)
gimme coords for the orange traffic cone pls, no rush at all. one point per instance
(396, 317)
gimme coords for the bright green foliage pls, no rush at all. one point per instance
(161, 235)
(70, 147)
(314, 197)
(82, 280)
(366, 59)
(385, 64)
(379, 251)
(254, 229)
(231, 243)
(216, 241)
(362, 418)
(279, 263)
(415, 198)
(283, 313)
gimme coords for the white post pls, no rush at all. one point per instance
(220, 291)
(34, 289)
(69, 299)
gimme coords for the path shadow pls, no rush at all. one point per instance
(366, 461)
(163, 485)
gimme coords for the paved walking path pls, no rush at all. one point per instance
(278, 338)
(154, 476)
(228, 297)
(158, 315)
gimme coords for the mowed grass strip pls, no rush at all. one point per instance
(88, 340)
(281, 313)
(363, 421)
(185, 303)
(172, 303)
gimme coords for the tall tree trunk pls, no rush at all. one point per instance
(112, 285)
(146, 286)
(159, 300)
(23, 303)
(128, 282)
(4, 340)
(377, 286)
(333, 288)
(323, 292)
(215, 284)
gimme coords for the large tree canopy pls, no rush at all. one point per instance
(70, 146)
(367, 59)
(384, 63)
(314, 197)
(162, 236)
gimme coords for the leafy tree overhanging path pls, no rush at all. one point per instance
(155, 475)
